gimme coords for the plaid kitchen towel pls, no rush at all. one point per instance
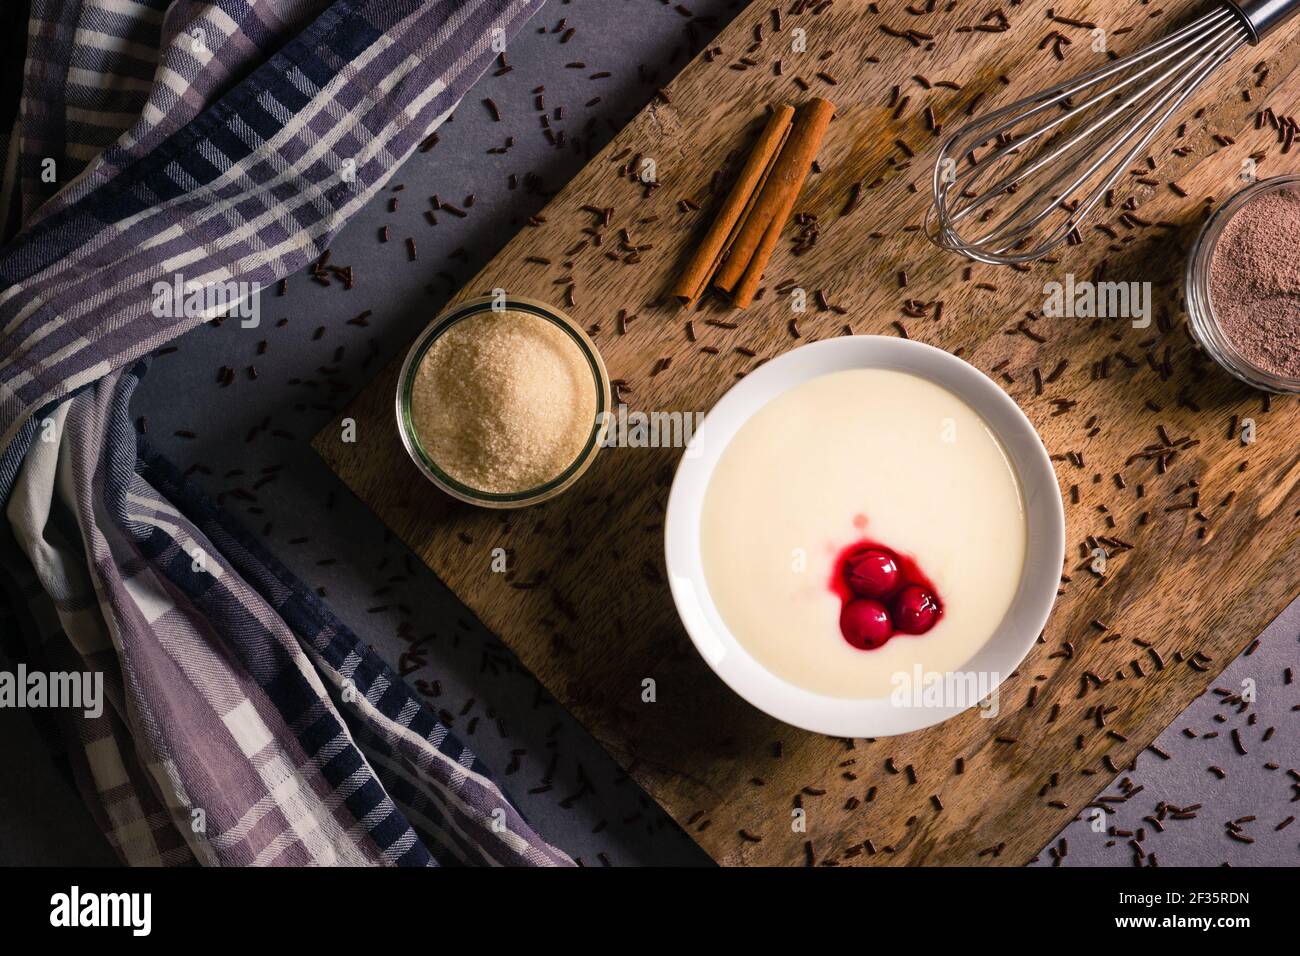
(220, 144)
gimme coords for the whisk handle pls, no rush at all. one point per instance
(1262, 17)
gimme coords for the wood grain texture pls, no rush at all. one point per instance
(585, 604)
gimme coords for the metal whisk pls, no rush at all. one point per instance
(1013, 185)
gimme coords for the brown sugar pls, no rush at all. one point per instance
(504, 401)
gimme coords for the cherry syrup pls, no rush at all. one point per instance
(882, 593)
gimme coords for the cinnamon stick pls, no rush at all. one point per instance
(706, 257)
(757, 238)
(743, 293)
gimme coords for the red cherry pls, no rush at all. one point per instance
(865, 623)
(915, 610)
(873, 574)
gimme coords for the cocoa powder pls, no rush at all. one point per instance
(1255, 281)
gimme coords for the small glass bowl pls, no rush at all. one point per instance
(1200, 306)
(424, 460)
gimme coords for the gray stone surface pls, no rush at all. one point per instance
(1258, 792)
(563, 781)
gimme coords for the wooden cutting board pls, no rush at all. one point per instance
(1212, 551)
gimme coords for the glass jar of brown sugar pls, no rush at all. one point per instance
(503, 403)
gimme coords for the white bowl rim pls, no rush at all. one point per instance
(1044, 512)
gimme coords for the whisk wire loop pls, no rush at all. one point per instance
(1128, 101)
(1007, 232)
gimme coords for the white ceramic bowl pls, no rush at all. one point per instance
(1044, 556)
